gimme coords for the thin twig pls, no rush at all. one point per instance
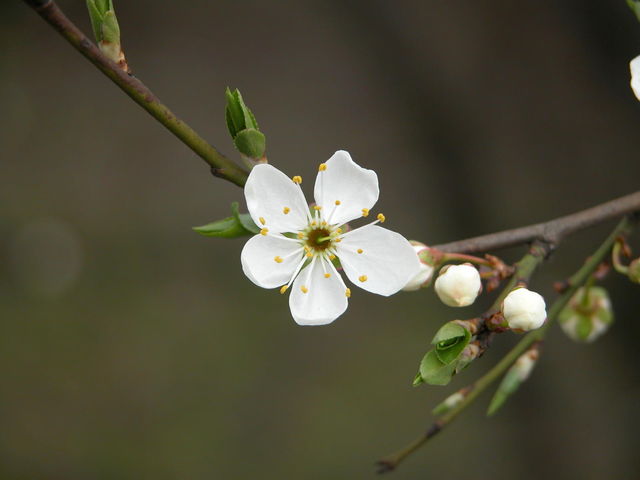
(576, 281)
(221, 166)
(551, 232)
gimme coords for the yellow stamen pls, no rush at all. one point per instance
(323, 223)
(297, 179)
(277, 259)
(313, 224)
(300, 235)
(360, 250)
(304, 289)
(262, 220)
(322, 167)
(327, 275)
(362, 278)
(338, 202)
(337, 240)
(381, 217)
(365, 212)
(317, 207)
(347, 293)
(286, 210)
(332, 257)
(264, 231)
(283, 289)
(309, 254)
(338, 230)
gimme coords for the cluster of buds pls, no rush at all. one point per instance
(587, 315)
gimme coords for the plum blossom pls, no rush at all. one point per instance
(298, 246)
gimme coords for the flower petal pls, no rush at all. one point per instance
(386, 263)
(325, 298)
(274, 201)
(259, 262)
(634, 66)
(344, 189)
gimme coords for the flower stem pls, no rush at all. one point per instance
(578, 279)
(221, 166)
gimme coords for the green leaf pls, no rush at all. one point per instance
(237, 225)
(98, 11)
(450, 341)
(417, 380)
(250, 142)
(634, 5)
(435, 372)
(234, 113)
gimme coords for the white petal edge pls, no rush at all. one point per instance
(344, 181)
(258, 260)
(325, 299)
(387, 260)
(269, 192)
(634, 66)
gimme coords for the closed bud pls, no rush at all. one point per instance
(106, 30)
(458, 285)
(243, 127)
(524, 310)
(427, 267)
(634, 271)
(514, 377)
(584, 319)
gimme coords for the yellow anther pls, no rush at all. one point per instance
(283, 288)
(338, 230)
(322, 167)
(365, 212)
(327, 275)
(297, 179)
(332, 257)
(317, 207)
(381, 217)
(309, 254)
(277, 259)
(360, 250)
(300, 235)
(264, 231)
(304, 289)
(313, 224)
(338, 202)
(337, 240)
(262, 220)
(362, 278)
(323, 223)
(286, 210)
(347, 293)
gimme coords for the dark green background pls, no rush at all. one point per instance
(133, 348)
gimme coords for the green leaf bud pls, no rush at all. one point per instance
(514, 377)
(237, 225)
(243, 127)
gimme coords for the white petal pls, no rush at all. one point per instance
(258, 260)
(269, 193)
(325, 299)
(634, 65)
(354, 187)
(387, 260)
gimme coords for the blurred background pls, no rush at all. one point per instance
(133, 348)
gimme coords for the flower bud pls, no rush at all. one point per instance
(634, 65)
(514, 377)
(423, 278)
(524, 310)
(585, 319)
(458, 285)
(634, 271)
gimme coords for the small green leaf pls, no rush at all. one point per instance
(234, 112)
(435, 372)
(238, 225)
(244, 218)
(450, 341)
(417, 380)
(250, 142)
(110, 28)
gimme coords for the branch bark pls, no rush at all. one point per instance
(220, 165)
(551, 232)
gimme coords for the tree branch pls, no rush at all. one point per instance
(221, 166)
(551, 232)
(474, 390)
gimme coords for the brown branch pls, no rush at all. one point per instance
(221, 166)
(551, 232)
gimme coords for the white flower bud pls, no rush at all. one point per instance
(458, 285)
(424, 274)
(524, 310)
(634, 65)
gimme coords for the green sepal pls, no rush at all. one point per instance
(634, 5)
(250, 142)
(435, 372)
(450, 341)
(237, 225)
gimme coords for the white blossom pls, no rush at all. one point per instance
(524, 310)
(634, 66)
(458, 285)
(298, 246)
(424, 274)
